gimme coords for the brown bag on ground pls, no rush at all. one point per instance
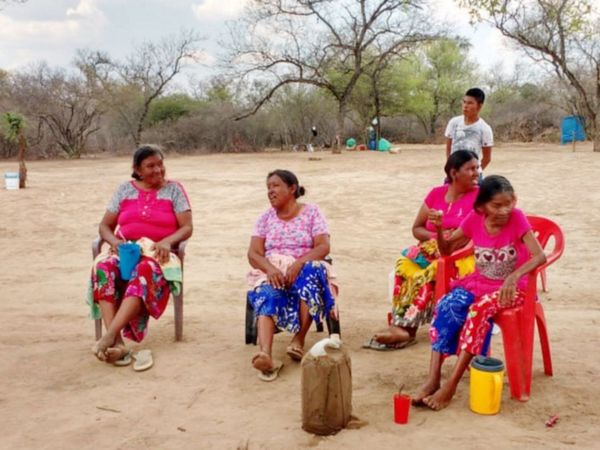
(326, 391)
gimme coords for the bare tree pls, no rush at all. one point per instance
(325, 43)
(146, 71)
(60, 103)
(564, 35)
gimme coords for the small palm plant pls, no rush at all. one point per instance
(14, 125)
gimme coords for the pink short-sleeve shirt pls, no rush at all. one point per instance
(454, 212)
(293, 237)
(496, 256)
(151, 214)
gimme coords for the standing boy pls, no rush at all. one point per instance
(469, 131)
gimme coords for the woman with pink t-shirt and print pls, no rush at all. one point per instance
(290, 283)
(505, 251)
(414, 274)
(150, 207)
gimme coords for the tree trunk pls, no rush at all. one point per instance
(339, 129)
(21, 158)
(377, 115)
(596, 133)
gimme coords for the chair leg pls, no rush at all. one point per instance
(98, 327)
(544, 342)
(333, 326)
(543, 277)
(513, 354)
(251, 328)
(178, 305)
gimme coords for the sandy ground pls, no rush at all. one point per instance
(203, 392)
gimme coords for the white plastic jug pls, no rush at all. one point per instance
(11, 180)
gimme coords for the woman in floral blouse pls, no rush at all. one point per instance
(290, 283)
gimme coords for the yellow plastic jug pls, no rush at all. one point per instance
(487, 375)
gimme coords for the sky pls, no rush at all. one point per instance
(52, 30)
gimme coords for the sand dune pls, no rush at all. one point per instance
(203, 392)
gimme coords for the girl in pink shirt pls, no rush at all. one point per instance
(505, 251)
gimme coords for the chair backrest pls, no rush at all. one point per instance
(545, 229)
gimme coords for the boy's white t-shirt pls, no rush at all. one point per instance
(469, 137)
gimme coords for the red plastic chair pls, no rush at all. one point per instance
(517, 324)
(543, 231)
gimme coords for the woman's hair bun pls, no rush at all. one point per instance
(300, 191)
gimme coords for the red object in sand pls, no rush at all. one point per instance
(401, 408)
(552, 421)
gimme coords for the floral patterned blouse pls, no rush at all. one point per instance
(293, 237)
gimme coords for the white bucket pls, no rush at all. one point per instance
(11, 180)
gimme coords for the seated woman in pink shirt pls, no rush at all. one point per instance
(290, 283)
(150, 206)
(412, 303)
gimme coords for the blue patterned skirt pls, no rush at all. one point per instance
(448, 320)
(283, 305)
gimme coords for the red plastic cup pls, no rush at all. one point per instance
(401, 408)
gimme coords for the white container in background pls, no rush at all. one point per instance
(11, 180)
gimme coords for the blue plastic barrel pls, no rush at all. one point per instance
(572, 128)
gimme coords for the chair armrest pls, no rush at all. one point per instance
(551, 258)
(446, 269)
(467, 250)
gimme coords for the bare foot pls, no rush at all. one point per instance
(393, 335)
(99, 349)
(440, 399)
(428, 388)
(115, 353)
(262, 361)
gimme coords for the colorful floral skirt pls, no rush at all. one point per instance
(283, 305)
(463, 322)
(413, 301)
(147, 282)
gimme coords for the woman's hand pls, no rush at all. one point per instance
(114, 245)
(275, 277)
(162, 251)
(435, 217)
(292, 272)
(508, 291)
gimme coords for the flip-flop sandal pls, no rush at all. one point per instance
(124, 360)
(374, 345)
(143, 360)
(271, 375)
(294, 352)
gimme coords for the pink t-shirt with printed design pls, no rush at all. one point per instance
(454, 212)
(290, 237)
(496, 256)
